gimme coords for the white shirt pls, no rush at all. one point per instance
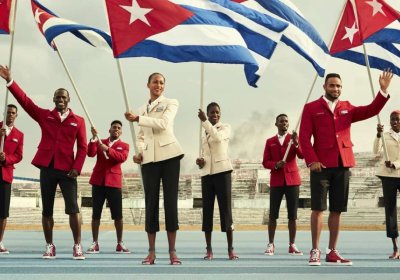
(281, 138)
(8, 129)
(63, 116)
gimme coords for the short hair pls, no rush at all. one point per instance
(12, 106)
(395, 112)
(280, 115)
(116, 121)
(332, 75)
(154, 74)
(61, 89)
(212, 104)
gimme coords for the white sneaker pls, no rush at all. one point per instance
(270, 249)
(3, 250)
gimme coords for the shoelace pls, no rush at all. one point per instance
(338, 255)
(93, 246)
(78, 249)
(315, 255)
(122, 246)
(49, 249)
(270, 247)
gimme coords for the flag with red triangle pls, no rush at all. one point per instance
(360, 20)
(5, 15)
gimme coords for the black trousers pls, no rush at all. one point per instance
(167, 172)
(390, 186)
(219, 185)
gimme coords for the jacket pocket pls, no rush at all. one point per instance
(166, 141)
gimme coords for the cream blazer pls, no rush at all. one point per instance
(215, 148)
(156, 140)
(393, 149)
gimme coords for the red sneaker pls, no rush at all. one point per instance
(77, 253)
(50, 252)
(121, 249)
(293, 250)
(334, 258)
(3, 250)
(94, 248)
(270, 251)
(315, 257)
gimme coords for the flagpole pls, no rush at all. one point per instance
(370, 81)
(373, 97)
(76, 91)
(12, 27)
(201, 102)
(313, 84)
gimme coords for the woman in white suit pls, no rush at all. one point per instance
(389, 173)
(216, 169)
(159, 156)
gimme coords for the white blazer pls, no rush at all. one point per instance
(393, 149)
(156, 140)
(215, 148)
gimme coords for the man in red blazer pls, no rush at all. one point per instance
(106, 182)
(285, 180)
(61, 129)
(11, 154)
(328, 120)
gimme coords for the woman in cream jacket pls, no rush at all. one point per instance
(216, 172)
(159, 156)
(389, 173)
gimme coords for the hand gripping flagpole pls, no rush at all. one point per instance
(12, 27)
(313, 84)
(201, 102)
(76, 90)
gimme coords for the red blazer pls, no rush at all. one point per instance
(58, 138)
(273, 153)
(107, 172)
(13, 147)
(331, 131)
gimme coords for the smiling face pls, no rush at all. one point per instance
(333, 88)
(282, 123)
(214, 114)
(395, 121)
(61, 100)
(115, 131)
(156, 86)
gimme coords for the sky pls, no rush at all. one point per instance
(250, 111)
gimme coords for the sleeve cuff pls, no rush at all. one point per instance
(386, 95)
(10, 83)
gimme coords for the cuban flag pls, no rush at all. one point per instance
(377, 26)
(300, 35)
(51, 26)
(192, 30)
(5, 16)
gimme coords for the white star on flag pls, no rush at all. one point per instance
(137, 12)
(350, 32)
(377, 7)
(37, 15)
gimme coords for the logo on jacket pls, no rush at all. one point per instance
(74, 124)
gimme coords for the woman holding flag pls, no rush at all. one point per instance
(159, 156)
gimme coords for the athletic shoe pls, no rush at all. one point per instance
(77, 253)
(3, 249)
(50, 252)
(293, 250)
(121, 249)
(270, 249)
(94, 248)
(315, 257)
(334, 258)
